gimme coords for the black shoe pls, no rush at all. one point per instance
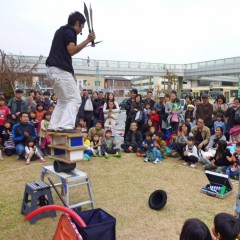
(67, 130)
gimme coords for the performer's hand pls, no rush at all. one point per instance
(91, 37)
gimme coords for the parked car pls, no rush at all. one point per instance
(122, 104)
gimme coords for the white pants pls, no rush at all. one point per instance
(69, 100)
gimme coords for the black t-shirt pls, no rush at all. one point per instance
(59, 56)
(19, 104)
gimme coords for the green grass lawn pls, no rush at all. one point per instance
(122, 188)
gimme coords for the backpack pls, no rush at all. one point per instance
(237, 116)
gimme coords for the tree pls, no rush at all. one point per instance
(170, 79)
(15, 71)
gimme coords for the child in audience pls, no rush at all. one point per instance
(189, 113)
(51, 108)
(226, 227)
(32, 119)
(111, 115)
(160, 147)
(190, 153)
(82, 121)
(96, 145)
(39, 115)
(147, 148)
(195, 229)
(9, 144)
(155, 118)
(220, 122)
(45, 138)
(87, 144)
(221, 160)
(147, 111)
(4, 113)
(31, 152)
(234, 170)
(109, 144)
(173, 146)
(46, 100)
(152, 130)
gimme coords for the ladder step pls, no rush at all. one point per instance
(81, 204)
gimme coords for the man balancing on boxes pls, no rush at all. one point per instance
(60, 72)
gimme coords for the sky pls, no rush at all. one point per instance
(160, 31)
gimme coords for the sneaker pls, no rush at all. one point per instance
(86, 156)
(107, 156)
(146, 160)
(94, 155)
(100, 155)
(118, 155)
(185, 163)
(193, 165)
(157, 161)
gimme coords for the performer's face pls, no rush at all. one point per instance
(79, 27)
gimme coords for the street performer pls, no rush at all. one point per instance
(60, 72)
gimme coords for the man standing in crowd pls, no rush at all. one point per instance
(17, 105)
(149, 99)
(60, 72)
(86, 109)
(128, 107)
(160, 107)
(205, 111)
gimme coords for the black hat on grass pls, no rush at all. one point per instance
(157, 199)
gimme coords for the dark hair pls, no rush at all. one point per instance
(31, 91)
(189, 96)
(174, 92)
(98, 121)
(111, 101)
(108, 131)
(237, 99)
(29, 140)
(195, 229)
(139, 95)
(220, 128)
(227, 226)
(150, 121)
(134, 90)
(74, 17)
(53, 96)
(191, 138)
(51, 105)
(167, 95)
(174, 133)
(198, 98)
(220, 114)
(147, 103)
(46, 114)
(149, 92)
(46, 93)
(134, 122)
(222, 146)
(188, 127)
(7, 121)
(21, 113)
(238, 144)
(160, 134)
(149, 134)
(37, 92)
(39, 105)
(153, 127)
(221, 97)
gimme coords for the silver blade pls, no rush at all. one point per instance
(87, 17)
(91, 17)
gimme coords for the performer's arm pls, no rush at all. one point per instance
(74, 49)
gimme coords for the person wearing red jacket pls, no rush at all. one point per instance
(155, 118)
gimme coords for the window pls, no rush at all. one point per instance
(110, 83)
(84, 82)
(125, 83)
(97, 83)
(119, 83)
(234, 93)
